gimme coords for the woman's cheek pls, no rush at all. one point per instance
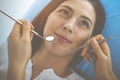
(82, 39)
(51, 25)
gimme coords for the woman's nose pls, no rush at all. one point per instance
(69, 25)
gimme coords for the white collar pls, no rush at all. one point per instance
(49, 74)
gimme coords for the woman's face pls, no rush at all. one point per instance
(71, 23)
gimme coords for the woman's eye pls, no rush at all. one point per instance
(65, 13)
(84, 23)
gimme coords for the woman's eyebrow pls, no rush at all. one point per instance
(67, 7)
(84, 17)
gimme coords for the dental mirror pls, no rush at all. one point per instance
(48, 38)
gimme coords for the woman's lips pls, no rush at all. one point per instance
(63, 39)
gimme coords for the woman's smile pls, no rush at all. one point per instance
(62, 39)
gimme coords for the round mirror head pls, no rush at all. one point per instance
(49, 38)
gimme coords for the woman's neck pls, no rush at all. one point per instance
(43, 59)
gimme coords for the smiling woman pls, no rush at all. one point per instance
(66, 12)
(72, 23)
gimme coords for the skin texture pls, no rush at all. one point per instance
(71, 24)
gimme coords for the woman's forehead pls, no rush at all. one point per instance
(77, 3)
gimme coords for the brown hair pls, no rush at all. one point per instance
(40, 21)
(41, 18)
